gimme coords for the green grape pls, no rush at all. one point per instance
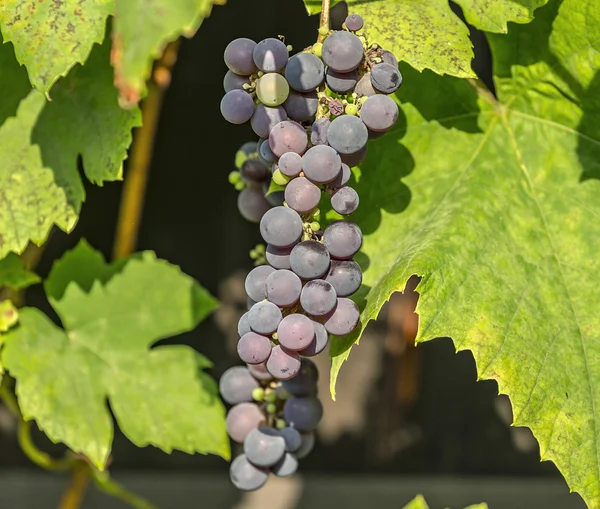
(271, 408)
(323, 31)
(271, 397)
(280, 424)
(239, 186)
(272, 89)
(279, 178)
(315, 226)
(351, 109)
(317, 49)
(258, 394)
(234, 177)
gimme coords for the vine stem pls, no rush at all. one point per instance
(134, 189)
(324, 22)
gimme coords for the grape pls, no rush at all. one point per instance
(364, 86)
(272, 89)
(342, 178)
(243, 325)
(319, 342)
(341, 82)
(355, 159)
(345, 200)
(308, 443)
(302, 195)
(247, 150)
(242, 419)
(290, 164)
(343, 51)
(265, 118)
(301, 107)
(318, 297)
(303, 413)
(342, 239)
(295, 332)
(252, 204)
(309, 259)
(345, 276)
(321, 163)
(264, 317)
(293, 439)
(253, 171)
(344, 318)
(237, 106)
(236, 385)
(389, 58)
(233, 81)
(255, 282)
(379, 113)
(275, 198)
(288, 136)
(304, 72)
(286, 466)
(260, 372)
(281, 227)
(265, 152)
(354, 22)
(305, 382)
(270, 55)
(283, 363)
(254, 348)
(318, 131)
(347, 134)
(245, 476)
(264, 447)
(278, 257)
(238, 56)
(283, 288)
(386, 78)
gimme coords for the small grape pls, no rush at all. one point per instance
(304, 72)
(354, 22)
(243, 418)
(280, 179)
(272, 89)
(347, 134)
(345, 201)
(319, 342)
(318, 131)
(278, 257)
(341, 82)
(302, 195)
(342, 178)
(270, 55)
(343, 51)
(386, 78)
(288, 136)
(260, 372)
(342, 239)
(379, 113)
(265, 118)
(233, 81)
(267, 156)
(283, 363)
(303, 413)
(239, 56)
(389, 58)
(252, 204)
(264, 446)
(258, 394)
(293, 439)
(321, 163)
(253, 348)
(364, 87)
(283, 288)
(255, 282)
(243, 325)
(286, 466)
(344, 319)
(245, 476)
(253, 171)
(309, 259)
(317, 49)
(318, 298)
(290, 164)
(264, 317)
(281, 227)
(345, 276)
(237, 106)
(301, 107)
(295, 332)
(305, 382)
(237, 385)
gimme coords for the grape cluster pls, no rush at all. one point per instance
(314, 113)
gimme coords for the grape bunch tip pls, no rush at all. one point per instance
(313, 114)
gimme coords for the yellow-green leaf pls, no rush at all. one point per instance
(8, 317)
(14, 275)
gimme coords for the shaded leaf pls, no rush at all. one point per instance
(14, 275)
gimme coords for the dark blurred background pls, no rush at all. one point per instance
(406, 421)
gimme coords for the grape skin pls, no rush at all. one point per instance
(245, 476)
(292, 437)
(319, 342)
(264, 317)
(309, 259)
(342, 178)
(278, 257)
(290, 164)
(365, 87)
(270, 55)
(288, 136)
(272, 89)
(264, 447)
(347, 134)
(344, 318)
(343, 51)
(281, 227)
(283, 363)
(389, 58)
(253, 171)
(286, 466)
(302, 195)
(354, 22)
(239, 56)
(236, 385)
(386, 78)
(321, 164)
(283, 288)
(254, 348)
(301, 107)
(341, 82)
(318, 297)
(303, 413)
(304, 72)
(265, 118)
(255, 282)
(242, 419)
(379, 113)
(345, 201)
(342, 239)
(266, 153)
(305, 382)
(243, 325)
(345, 276)
(295, 332)
(260, 372)
(252, 204)
(237, 106)
(308, 444)
(233, 81)
(318, 131)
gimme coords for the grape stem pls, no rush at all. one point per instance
(324, 23)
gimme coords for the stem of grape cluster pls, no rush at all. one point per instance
(324, 23)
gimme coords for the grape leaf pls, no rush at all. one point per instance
(8, 317)
(494, 203)
(493, 15)
(112, 315)
(142, 28)
(51, 36)
(14, 275)
(419, 503)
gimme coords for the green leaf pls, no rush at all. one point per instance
(159, 396)
(142, 28)
(8, 317)
(495, 204)
(493, 15)
(14, 275)
(419, 503)
(51, 36)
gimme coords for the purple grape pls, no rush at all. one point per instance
(278, 257)
(342, 178)
(303, 413)
(252, 204)
(239, 56)
(386, 78)
(270, 55)
(264, 446)
(309, 259)
(344, 319)
(347, 134)
(288, 136)
(345, 201)
(302, 195)
(365, 87)
(295, 332)
(243, 325)
(281, 227)
(245, 476)
(265, 118)
(355, 159)
(301, 107)
(318, 297)
(305, 382)
(283, 288)
(342, 239)
(354, 22)
(389, 58)
(290, 164)
(255, 282)
(304, 72)
(260, 372)
(342, 51)
(254, 172)
(236, 385)
(242, 419)
(286, 466)
(293, 439)
(237, 106)
(233, 81)
(253, 348)
(379, 113)
(318, 131)
(345, 276)
(266, 154)
(308, 444)
(319, 342)
(283, 363)
(341, 82)
(264, 317)
(321, 164)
